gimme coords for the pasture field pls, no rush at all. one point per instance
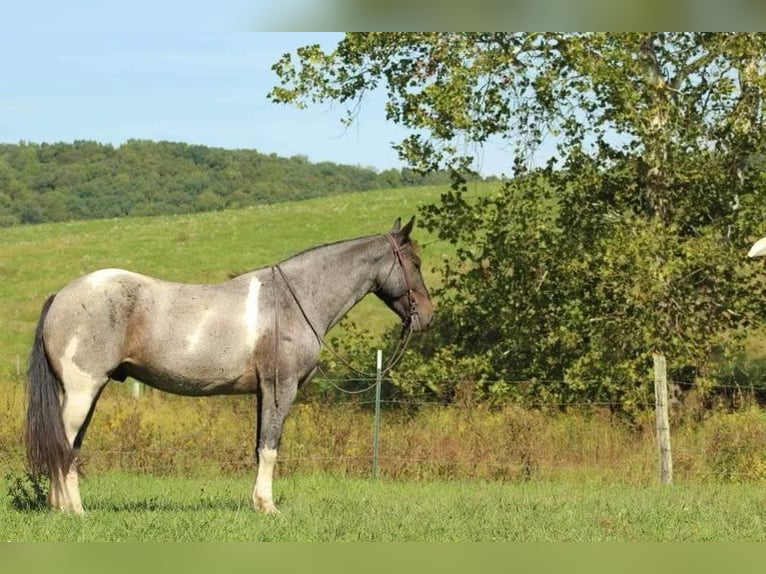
(322, 507)
(172, 468)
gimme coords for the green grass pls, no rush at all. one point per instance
(325, 508)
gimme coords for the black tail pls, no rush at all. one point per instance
(48, 450)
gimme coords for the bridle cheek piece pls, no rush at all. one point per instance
(410, 291)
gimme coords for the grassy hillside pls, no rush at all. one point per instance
(200, 248)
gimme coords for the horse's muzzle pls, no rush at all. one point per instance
(422, 313)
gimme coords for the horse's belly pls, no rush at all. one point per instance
(195, 377)
(202, 357)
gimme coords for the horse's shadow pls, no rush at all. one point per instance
(150, 504)
(161, 504)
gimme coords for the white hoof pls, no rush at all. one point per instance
(266, 506)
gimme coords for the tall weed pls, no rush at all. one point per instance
(168, 435)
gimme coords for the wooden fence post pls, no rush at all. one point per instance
(663, 420)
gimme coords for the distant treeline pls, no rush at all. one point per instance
(87, 180)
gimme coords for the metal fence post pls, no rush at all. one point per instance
(376, 428)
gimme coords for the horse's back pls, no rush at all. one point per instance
(103, 297)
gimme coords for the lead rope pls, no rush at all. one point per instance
(401, 345)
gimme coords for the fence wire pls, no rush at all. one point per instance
(465, 446)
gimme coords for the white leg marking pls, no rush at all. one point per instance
(251, 312)
(262, 497)
(64, 492)
(56, 494)
(72, 488)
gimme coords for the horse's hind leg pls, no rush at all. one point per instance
(81, 390)
(77, 409)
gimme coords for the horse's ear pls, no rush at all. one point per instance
(404, 232)
(397, 225)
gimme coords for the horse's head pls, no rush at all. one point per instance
(400, 285)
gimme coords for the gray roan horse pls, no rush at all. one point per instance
(259, 332)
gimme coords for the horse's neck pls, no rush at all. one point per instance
(329, 281)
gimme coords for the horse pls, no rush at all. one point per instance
(259, 332)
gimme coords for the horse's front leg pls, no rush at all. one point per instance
(272, 410)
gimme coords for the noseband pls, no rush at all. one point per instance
(398, 249)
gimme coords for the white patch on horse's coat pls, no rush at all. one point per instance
(251, 312)
(193, 340)
(101, 276)
(262, 496)
(73, 377)
(79, 390)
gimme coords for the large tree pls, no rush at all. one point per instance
(632, 239)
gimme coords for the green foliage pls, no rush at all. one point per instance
(26, 492)
(633, 237)
(86, 180)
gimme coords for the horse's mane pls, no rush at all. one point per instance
(324, 245)
(234, 274)
(412, 242)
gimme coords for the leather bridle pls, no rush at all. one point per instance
(398, 250)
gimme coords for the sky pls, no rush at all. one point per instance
(200, 88)
(207, 88)
(199, 72)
